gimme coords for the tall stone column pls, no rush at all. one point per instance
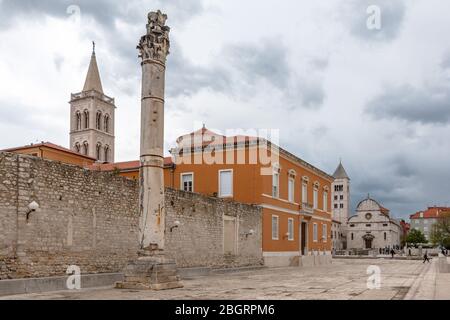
(153, 48)
(152, 270)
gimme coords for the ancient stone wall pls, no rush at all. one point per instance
(90, 219)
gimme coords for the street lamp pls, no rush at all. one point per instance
(32, 207)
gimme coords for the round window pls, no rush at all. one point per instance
(368, 216)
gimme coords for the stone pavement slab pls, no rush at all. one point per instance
(343, 280)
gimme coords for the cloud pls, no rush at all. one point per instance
(242, 69)
(416, 105)
(105, 12)
(392, 17)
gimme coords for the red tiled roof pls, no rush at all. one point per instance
(129, 165)
(431, 213)
(48, 145)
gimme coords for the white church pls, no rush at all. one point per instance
(371, 227)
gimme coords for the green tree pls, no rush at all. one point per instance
(440, 235)
(415, 237)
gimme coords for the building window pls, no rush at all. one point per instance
(339, 188)
(325, 201)
(385, 225)
(291, 229)
(85, 148)
(342, 197)
(226, 183)
(78, 120)
(291, 187)
(341, 206)
(368, 225)
(106, 123)
(274, 227)
(316, 198)
(86, 119)
(335, 198)
(305, 192)
(98, 121)
(352, 236)
(315, 233)
(275, 184)
(77, 147)
(385, 236)
(335, 205)
(352, 226)
(187, 182)
(324, 232)
(106, 153)
(99, 151)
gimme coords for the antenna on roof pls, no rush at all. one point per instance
(93, 47)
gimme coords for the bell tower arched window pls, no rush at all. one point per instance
(99, 151)
(98, 121)
(78, 120)
(86, 119)
(77, 146)
(106, 124)
(85, 148)
(106, 154)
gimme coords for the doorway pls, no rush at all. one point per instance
(229, 236)
(303, 234)
(368, 243)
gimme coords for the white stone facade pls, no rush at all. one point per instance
(372, 227)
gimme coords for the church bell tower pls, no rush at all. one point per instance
(341, 195)
(92, 118)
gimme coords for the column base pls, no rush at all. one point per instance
(151, 272)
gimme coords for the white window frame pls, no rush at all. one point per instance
(181, 180)
(232, 182)
(304, 192)
(291, 228)
(291, 190)
(325, 201)
(277, 218)
(325, 232)
(277, 180)
(315, 232)
(316, 198)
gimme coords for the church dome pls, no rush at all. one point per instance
(369, 205)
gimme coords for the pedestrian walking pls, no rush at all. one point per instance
(392, 253)
(425, 257)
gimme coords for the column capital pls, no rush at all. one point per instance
(155, 45)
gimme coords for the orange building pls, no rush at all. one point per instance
(295, 196)
(50, 151)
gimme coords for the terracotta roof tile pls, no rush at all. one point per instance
(51, 146)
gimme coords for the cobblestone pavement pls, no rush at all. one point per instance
(344, 280)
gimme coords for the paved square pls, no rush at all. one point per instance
(343, 280)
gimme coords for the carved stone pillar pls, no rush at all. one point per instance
(152, 270)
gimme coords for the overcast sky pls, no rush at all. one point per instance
(378, 99)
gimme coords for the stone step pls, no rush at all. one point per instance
(167, 285)
(149, 286)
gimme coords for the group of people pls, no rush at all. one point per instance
(426, 258)
(389, 250)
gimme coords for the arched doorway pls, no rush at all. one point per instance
(368, 241)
